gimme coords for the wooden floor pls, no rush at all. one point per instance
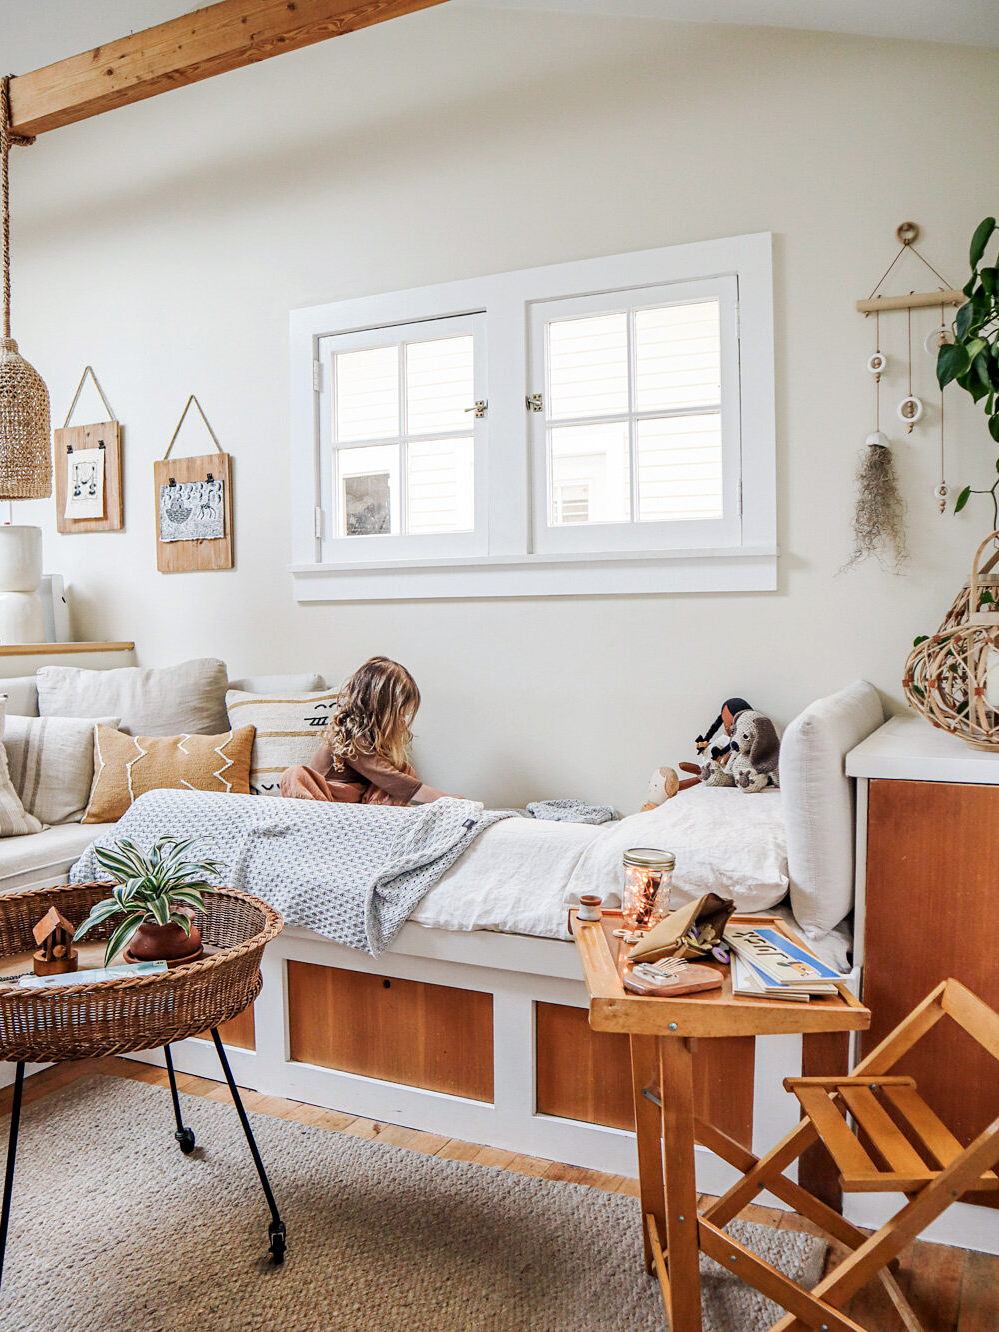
(951, 1290)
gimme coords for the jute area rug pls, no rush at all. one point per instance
(114, 1229)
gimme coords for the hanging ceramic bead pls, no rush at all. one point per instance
(910, 410)
(937, 338)
(877, 364)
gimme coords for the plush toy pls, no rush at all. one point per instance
(663, 784)
(753, 761)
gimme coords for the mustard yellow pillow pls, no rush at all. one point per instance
(125, 766)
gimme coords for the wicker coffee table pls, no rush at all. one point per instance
(136, 1012)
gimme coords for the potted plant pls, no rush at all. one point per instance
(156, 896)
(972, 359)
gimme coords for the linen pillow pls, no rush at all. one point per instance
(819, 803)
(167, 701)
(279, 684)
(22, 695)
(289, 730)
(51, 762)
(126, 766)
(15, 821)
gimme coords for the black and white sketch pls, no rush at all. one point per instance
(85, 483)
(367, 504)
(192, 511)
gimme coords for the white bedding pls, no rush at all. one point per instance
(520, 876)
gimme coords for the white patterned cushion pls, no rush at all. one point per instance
(289, 726)
(15, 821)
(51, 762)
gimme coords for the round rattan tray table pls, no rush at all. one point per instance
(131, 1013)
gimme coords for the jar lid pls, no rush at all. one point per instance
(649, 857)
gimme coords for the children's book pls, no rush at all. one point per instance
(780, 962)
(95, 974)
(747, 980)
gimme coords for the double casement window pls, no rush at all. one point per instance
(603, 426)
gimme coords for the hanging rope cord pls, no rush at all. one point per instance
(907, 245)
(8, 140)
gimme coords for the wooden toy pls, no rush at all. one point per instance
(54, 936)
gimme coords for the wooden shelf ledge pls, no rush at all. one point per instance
(60, 649)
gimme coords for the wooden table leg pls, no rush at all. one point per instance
(645, 1073)
(676, 1065)
(823, 1054)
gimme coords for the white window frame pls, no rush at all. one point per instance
(391, 548)
(507, 560)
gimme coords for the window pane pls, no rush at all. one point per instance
(366, 394)
(441, 485)
(590, 462)
(677, 357)
(680, 468)
(439, 385)
(588, 366)
(368, 490)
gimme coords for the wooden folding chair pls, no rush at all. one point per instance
(883, 1137)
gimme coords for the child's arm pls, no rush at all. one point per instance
(401, 786)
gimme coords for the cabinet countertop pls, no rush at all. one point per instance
(907, 748)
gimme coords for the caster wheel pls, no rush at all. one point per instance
(185, 1137)
(276, 1231)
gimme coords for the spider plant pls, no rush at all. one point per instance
(161, 888)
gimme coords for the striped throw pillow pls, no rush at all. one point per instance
(289, 730)
(15, 821)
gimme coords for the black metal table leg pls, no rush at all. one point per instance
(276, 1230)
(8, 1182)
(185, 1136)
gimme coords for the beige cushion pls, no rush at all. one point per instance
(125, 766)
(22, 695)
(279, 684)
(289, 730)
(44, 858)
(51, 762)
(172, 700)
(15, 821)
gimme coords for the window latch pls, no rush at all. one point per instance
(480, 408)
(535, 402)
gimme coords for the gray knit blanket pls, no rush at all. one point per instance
(352, 873)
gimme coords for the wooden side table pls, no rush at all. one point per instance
(663, 1036)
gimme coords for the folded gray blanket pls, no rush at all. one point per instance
(571, 811)
(352, 873)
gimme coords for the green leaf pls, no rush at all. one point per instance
(187, 896)
(994, 432)
(952, 360)
(986, 599)
(160, 909)
(122, 935)
(962, 499)
(178, 918)
(980, 239)
(989, 277)
(102, 911)
(920, 638)
(963, 321)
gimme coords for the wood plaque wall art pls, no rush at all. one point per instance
(193, 507)
(88, 484)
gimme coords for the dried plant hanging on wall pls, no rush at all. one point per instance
(879, 518)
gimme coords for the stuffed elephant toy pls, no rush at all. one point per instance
(752, 763)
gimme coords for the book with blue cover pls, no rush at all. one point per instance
(778, 961)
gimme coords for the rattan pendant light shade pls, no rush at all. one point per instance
(25, 427)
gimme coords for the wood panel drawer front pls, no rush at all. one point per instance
(586, 1074)
(431, 1036)
(239, 1032)
(932, 894)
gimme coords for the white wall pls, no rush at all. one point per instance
(165, 243)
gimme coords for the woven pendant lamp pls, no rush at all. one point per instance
(25, 428)
(25, 443)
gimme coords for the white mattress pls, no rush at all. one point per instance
(521, 875)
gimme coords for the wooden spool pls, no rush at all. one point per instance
(945, 676)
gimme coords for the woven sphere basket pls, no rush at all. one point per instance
(136, 1012)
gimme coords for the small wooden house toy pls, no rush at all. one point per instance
(54, 936)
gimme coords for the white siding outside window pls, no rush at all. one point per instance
(623, 441)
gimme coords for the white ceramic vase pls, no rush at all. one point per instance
(22, 616)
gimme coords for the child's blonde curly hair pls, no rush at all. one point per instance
(374, 712)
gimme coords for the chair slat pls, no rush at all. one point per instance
(888, 1139)
(832, 1128)
(977, 1019)
(933, 1133)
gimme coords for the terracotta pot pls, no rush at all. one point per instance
(164, 943)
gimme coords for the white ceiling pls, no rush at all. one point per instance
(974, 22)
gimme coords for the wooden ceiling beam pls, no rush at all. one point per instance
(195, 46)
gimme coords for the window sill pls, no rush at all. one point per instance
(743, 569)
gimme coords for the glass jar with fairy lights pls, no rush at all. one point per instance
(648, 878)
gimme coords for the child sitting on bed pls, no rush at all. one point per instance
(364, 757)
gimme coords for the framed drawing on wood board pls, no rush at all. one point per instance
(193, 508)
(88, 488)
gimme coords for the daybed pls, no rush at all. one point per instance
(473, 1025)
